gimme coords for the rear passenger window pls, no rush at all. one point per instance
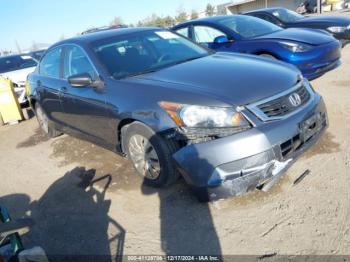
(50, 64)
(183, 32)
(76, 62)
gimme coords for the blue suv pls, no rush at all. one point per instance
(314, 52)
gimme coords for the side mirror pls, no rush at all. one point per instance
(80, 80)
(221, 40)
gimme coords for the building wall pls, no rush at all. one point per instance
(290, 4)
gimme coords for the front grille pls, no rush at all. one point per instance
(282, 106)
(291, 145)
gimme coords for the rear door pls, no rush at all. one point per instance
(48, 84)
(84, 107)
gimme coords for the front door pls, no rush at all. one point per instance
(84, 107)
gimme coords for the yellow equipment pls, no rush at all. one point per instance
(331, 2)
(10, 110)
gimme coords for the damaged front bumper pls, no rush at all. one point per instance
(233, 165)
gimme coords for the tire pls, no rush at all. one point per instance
(150, 154)
(45, 124)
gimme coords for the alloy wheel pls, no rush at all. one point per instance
(144, 157)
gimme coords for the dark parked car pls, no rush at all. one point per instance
(314, 53)
(338, 26)
(227, 122)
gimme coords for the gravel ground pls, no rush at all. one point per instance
(86, 200)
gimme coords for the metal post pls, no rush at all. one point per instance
(265, 3)
(319, 11)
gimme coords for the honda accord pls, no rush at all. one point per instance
(227, 123)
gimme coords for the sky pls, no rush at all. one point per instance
(47, 21)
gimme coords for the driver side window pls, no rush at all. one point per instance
(50, 64)
(206, 34)
(76, 62)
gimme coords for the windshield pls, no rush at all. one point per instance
(145, 52)
(286, 16)
(12, 63)
(249, 27)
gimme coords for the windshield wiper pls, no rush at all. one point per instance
(150, 70)
(187, 60)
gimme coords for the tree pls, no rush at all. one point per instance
(210, 10)
(34, 46)
(181, 15)
(116, 21)
(194, 14)
(168, 21)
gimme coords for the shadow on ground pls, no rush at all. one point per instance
(68, 150)
(71, 218)
(37, 138)
(326, 145)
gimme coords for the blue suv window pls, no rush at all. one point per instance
(257, 27)
(206, 34)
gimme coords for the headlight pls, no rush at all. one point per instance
(193, 116)
(337, 29)
(296, 47)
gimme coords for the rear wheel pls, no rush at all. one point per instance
(45, 124)
(150, 154)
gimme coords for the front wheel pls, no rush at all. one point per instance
(150, 154)
(45, 124)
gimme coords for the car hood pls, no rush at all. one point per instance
(18, 76)
(307, 36)
(236, 79)
(327, 20)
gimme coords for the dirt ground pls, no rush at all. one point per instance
(86, 200)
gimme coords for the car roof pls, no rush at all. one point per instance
(210, 19)
(269, 9)
(91, 37)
